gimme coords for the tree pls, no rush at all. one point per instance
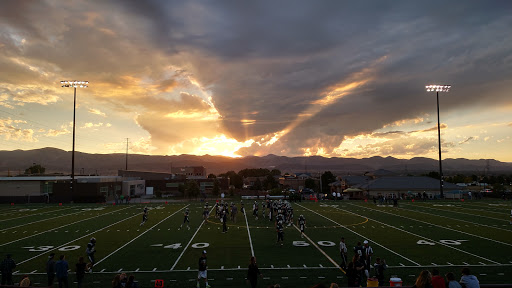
(270, 183)
(275, 172)
(311, 184)
(433, 174)
(211, 176)
(327, 178)
(234, 179)
(35, 169)
(192, 189)
(216, 187)
(257, 185)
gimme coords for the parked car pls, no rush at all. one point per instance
(486, 191)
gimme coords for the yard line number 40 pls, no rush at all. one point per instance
(448, 242)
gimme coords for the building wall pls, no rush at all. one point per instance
(134, 187)
(20, 188)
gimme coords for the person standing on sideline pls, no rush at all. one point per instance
(368, 253)
(467, 280)
(203, 267)
(380, 266)
(253, 273)
(80, 271)
(50, 269)
(61, 269)
(7, 266)
(343, 253)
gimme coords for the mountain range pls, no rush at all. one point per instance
(59, 161)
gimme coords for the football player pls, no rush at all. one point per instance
(144, 216)
(255, 209)
(185, 219)
(343, 253)
(302, 225)
(280, 232)
(90, 251)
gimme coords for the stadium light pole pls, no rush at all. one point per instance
(74, 84)
(437, 89)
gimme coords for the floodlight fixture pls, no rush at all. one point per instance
(73, 84)
(437, 89)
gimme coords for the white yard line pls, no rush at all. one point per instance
(41, 220)
(398, 254)
(453, 218)
(58, 210)
(139, 236)
(431, 224)
(275, 268)
(505, 214)
(321, 251)
(60, 227)
(249, 233)
(182, 252)
(440, 243)
(63, 245)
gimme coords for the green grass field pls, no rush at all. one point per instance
(416, 236)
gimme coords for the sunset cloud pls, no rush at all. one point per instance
(255, 78)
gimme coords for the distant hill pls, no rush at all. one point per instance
(59, 161)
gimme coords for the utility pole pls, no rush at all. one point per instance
(126, 168)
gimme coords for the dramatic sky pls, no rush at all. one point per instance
(238, 78)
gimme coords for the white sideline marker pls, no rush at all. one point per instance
(271, 266)
(449, 263)
(482, 263)
(33, 272)
(119, 270)
(102, 270)
(288, 266)
(402, 264)
(465, 263)
(188, 268)
(433, 264)
(154, 269)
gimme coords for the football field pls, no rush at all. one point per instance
(415, 236)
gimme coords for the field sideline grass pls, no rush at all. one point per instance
(447, 235)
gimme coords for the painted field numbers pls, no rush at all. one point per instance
(178, 245)
(321, 243)
(48, 248)
(447, 242)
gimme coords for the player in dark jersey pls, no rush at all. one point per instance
(90, 251)
(144, 216)
(242, 209)
(205, 212)
(302, 225)
(359, 249)
(255, 209)
(280, 232)
(185, 219)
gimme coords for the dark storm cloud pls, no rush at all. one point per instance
(276, 58)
